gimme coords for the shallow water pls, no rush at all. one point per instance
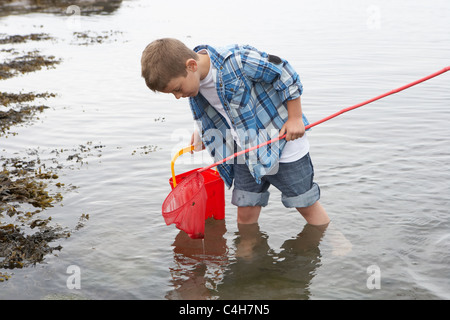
(383, 169)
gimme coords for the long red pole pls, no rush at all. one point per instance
(331, 116)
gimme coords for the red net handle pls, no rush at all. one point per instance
(332, 116)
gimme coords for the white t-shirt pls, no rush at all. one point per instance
(293, 150)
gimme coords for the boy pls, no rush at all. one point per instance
(239, 96)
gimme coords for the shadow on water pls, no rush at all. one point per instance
(246, 269)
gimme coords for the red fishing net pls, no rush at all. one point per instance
(186, 205)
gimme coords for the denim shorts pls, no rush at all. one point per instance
(293, 179)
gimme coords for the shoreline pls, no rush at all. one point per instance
(27, 186)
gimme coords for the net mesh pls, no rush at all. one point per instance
(186, 204)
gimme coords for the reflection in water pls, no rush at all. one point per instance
(209, 270)
(259, 273)
(199, 264)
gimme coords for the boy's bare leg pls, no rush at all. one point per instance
(248, 215)
(250, 240)
(314, 214)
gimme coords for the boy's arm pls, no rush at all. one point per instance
(293, 127)
(259, 66)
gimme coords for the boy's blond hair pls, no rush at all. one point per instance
(164, 59)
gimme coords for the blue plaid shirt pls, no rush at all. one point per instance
(254, 88)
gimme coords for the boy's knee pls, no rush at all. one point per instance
(248, 215)
(314, 214)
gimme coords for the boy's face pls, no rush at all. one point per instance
(184, 87)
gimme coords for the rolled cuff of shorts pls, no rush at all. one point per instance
(303, 200)
(243, 198)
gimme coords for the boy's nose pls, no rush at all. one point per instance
(177, 95)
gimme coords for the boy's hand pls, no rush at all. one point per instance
(197, 142)
(294, 128)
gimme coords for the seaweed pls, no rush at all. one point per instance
(21, 186)
(29, 185)
(58, 6)
(19, 112)
(32, 61)
(20, 250)
(8, 98)
(90, 37)
(6, 39)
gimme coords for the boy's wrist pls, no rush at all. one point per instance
(295, 117)
(294, 108)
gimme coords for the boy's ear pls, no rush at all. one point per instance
(191, 65)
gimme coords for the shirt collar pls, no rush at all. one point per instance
(217, 58)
